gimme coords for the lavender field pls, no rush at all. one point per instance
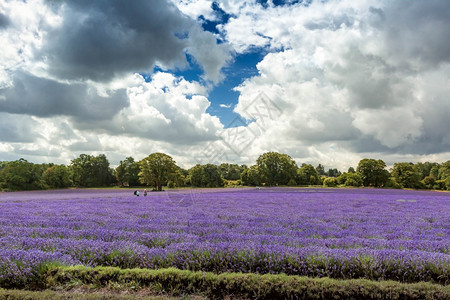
(339, 233)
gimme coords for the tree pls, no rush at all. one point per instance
(276, 168)
(333, 172)
(429, 182)
(206, 176)
(320, 170)
(127, 173)
(230, 171)
(330, 182)
(444, 170)
(425, 168)
(351, 170)
(21, 175)
(251, 176)
(350, 179)
(407, 175)
(57, 177)
(90, 171)
(307, 175)
(157, 169)
(373, 172)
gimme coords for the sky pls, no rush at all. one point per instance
(205, 81)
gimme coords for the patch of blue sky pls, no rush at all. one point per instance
(221, 17)
(265, 3)
(223, 97)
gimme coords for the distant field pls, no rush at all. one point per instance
(338, 233)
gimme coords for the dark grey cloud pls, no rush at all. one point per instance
(4, 21)
(101, 39)
(17, 128)
(417, 31)
(42, 97)
(370, 80)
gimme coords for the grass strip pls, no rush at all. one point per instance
(84, 294)
(177, 282)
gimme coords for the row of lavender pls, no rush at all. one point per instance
(375, 234)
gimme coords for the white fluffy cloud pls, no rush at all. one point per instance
(352, 77)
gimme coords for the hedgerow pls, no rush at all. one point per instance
(240, 285)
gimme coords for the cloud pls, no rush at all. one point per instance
(343, 81)
(225, 105)
(42, 97)
(196, 8)
(166, 109)
(4, 21)
(212, 57)
(18, 128)
(103, 39)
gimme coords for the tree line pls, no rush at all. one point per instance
(271, 169)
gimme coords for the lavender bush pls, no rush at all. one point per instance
(352, 233)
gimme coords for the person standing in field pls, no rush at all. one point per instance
(145, 192)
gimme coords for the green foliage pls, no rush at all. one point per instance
(171, 184)
(373, 172)
(330, 182)
(251, 176)
(127, 173)
(242, 286)
(407, 175)
(230, 171)
(320, 170)
(440, 185)
(350, 179)
(427, 169)
(392, 184)
(292, 182)
(157, 169)
(307, 175)
(428, 182)
(91, 171)
(206, 176)
(21, 175)
(57, 176)
(444, 170)
(275, 168)
(333, 173)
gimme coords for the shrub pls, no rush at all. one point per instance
(238, 285)
(330, 182)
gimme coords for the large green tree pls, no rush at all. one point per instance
(21, 175)
(276, 168)
(57, 176)
(127, 172)
(373, 172)
(425, 168)
(251, 176)
(230, 171)
(208, 175)
(444, 170)
(307, 175)
(90, 171)
(157, 169)
(350, 179)
(407, 175)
